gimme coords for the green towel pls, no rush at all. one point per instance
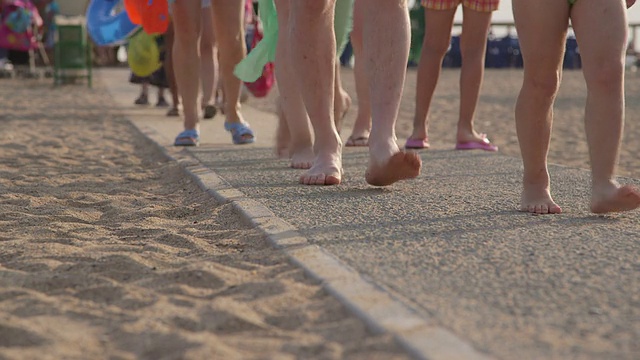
(343, 21)
(250, 69)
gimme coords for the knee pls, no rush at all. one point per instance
(230, 42)
(473, 52)
(436, 47)
(186, 35)
(606, 75)
(545, 84)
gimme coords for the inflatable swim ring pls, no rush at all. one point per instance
(105, 27)
(153, 15)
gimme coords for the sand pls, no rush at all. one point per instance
(107, 250)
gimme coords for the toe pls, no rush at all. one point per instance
(318, 179)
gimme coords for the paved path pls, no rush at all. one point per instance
(447, 250)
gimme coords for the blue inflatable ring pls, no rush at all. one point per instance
(105, 27)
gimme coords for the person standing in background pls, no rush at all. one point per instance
(439, 15)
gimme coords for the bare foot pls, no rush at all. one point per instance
(357, 140)
(615, 198)
(302, 158)
(537, 199)
(326, 170)
(400, 166)
(283, 135)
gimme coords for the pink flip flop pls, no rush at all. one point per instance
(477, 145)
(417, 143)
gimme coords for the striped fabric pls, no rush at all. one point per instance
(477, 5)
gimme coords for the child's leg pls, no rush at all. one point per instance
(386, 51)
(187, 22)
(143, 98)
(208, 57)
(162, 102)
(362, 126)
(542, 27)
(229, 31)
(168, 67)
(473, 46)
(313, 54)
(602, 48)
(294, 131)
(438, 25)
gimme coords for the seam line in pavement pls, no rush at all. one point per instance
(380, 311)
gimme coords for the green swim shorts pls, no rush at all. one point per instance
(572, 2)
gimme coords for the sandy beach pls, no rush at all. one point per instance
(108, 251)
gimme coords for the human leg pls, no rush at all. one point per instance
(313, 55)
(438, 25)
(542, 28)
(187, 23)
(168, 67)
(341, 100)
(228, 24)
(362, 126)
(294, 131)
(162, 102)
(143, 98)
(602, 49)
(208, 63)
(385, 53)
(473, 46)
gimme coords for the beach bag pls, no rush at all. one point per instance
(263, 85)
(143, 54)
(18, 20)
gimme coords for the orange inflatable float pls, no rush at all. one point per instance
(152, 15)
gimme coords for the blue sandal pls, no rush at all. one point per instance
(190, 137)
(239, 131)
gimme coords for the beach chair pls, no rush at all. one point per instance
(72, 51)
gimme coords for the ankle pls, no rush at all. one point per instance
(539, 179)
(606, 185)
(382, 149)
(298, 144)
(328, 145)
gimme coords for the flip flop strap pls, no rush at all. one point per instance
(189, 133)
(238, 129)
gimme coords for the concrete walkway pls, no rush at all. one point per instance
(445, 262)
